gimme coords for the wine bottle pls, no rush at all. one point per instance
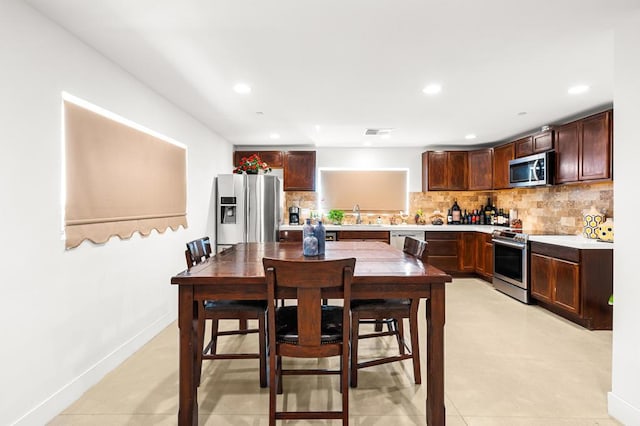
(456, 213)
(449, 217)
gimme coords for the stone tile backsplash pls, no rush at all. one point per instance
(554, 209)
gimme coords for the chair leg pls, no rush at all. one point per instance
(415, 345)
(399, 323)
(344, 379)
(263, 350)
(214, 336)
(279, 370)
(355, 332)
(272, 386)
(200, 343)
(242, 325)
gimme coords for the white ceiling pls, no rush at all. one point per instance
(322, 72)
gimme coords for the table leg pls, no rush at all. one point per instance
(435, 356)
(187, 322)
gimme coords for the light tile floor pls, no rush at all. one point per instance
(506, 364)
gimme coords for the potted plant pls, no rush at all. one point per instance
(336, 216)
(252, 165)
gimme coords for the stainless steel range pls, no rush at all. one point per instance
(510, 264)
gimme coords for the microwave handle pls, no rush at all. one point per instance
(532, 172)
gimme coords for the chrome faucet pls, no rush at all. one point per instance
(356, 210)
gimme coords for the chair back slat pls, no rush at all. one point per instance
(197, 251)
(416, 248)
(309, 277)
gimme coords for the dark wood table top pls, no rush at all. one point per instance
(377, 262)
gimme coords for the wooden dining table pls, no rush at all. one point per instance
(382, 271)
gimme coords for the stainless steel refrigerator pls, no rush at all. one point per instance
(248, 209)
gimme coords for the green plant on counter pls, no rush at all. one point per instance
(335, 216)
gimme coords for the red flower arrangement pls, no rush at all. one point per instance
(252, 165)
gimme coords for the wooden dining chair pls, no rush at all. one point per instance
(392, 312)
(310, 329)
(215, 310)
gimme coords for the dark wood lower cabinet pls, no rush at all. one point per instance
(364, 236)
(484, 255)
(443, 250)
(290, 236)
(573, 283)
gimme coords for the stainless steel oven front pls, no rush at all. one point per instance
(510, 265)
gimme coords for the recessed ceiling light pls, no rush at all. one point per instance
(318, 128)
(366, 143)
(576, 90)
(385, 136)
(470, 136)
(242, 88)
(274, 136)
(432, 89)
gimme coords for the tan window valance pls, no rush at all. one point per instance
(119, 180)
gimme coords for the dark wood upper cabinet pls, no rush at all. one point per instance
(596, 147)
(584, 149)
(444, 170)
(523, 147)
(272, 158)
(481, 169)
(543, 141)
(567, 152)
(300, 171)
(539, 142)
(458, 170)
(501, 157)
(434, 163)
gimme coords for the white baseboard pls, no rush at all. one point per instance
(622, 411)
(64, 397)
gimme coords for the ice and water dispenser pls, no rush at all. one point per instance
(228, 210)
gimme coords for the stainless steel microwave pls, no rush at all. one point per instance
(533, 170)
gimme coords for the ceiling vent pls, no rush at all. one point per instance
(377, 132)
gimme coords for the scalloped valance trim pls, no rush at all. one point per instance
(100, 233)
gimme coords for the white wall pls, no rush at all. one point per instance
(624, 398)
(68, 317)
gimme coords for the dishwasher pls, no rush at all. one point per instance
(397, 237)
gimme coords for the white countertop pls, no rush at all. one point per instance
(573, 241)
(477, 228)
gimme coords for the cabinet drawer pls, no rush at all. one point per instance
(364, 235)
(442, 248)
(560, 252)
(441, 235)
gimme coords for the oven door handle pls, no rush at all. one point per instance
(510, 244)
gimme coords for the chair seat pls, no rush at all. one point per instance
(287, 324)
(257, 306)
(380, 304)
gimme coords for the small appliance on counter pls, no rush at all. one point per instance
(294, 215)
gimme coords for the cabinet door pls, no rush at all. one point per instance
(501, 157)
(481, 169)
(300, 171)
(443, 250)
(488, 256)
(467, 251)
(523, 147)
(457, 169)
(480, 259)
(437, 170)
(595, 153)
(541, 277)
(272, 158)
(567, 285)
(543, 141)
(567, 152)
(290, 236)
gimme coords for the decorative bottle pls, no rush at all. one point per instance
(456, 213)
(309, 241)
(321, 235)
